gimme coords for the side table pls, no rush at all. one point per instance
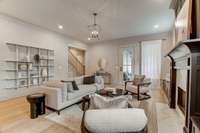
(37, 104)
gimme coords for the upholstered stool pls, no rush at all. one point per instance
(130, 120)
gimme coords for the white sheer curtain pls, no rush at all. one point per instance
(151, 59)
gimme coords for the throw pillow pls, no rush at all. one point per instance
(138, 79)
(98, 79)
(100, 102)
(89, 80)
(74, 85)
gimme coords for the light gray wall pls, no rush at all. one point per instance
(15, 31)
(109, 51)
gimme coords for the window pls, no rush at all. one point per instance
(127, 62)
(151, 59)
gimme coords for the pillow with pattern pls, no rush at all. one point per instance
(100, 102)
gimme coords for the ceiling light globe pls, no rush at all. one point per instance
(60, 26)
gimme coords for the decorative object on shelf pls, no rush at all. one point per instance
(27, 58)
(35, 82)
(44, 74)
(22, 83)
(34, 79)
(43, 62)
(94, 29)
(19, 75)
(30, 66)
(22, 67)
(37, 58)
(25, 69)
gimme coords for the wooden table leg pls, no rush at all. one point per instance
(83, 104)
(138, 92)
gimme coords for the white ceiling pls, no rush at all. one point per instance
(117, 18)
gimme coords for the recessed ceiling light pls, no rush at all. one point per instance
(89, 39)
(156, 26)
(60, 27)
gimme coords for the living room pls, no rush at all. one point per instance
(103, 66)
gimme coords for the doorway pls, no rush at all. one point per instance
(126, 63)
(76, 62)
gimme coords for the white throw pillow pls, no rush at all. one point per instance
(100, 102)
(98, 79)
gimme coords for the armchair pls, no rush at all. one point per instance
(139, 86)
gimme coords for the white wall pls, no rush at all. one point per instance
(15, 31)
(109, 51)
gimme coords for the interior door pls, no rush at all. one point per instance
(126, 61)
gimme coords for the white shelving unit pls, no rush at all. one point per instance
(24, 70)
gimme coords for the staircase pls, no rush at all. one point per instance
(76, 67)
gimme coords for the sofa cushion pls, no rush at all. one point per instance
(100, 102)
(89, 80)
(115, 120)
(79, 80)
(55, 84)
(134, 89)
(89, 87)
(138, 79)
(83, 91)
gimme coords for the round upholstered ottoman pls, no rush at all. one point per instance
(130, 120)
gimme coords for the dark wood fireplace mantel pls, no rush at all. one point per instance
(186, 56)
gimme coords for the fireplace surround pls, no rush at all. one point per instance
(186, 56)
(181, 100)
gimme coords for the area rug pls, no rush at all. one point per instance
(70, 117)
(168, 120)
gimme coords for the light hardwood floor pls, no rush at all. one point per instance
(14, 117)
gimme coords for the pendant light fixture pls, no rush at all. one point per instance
(94, 29)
